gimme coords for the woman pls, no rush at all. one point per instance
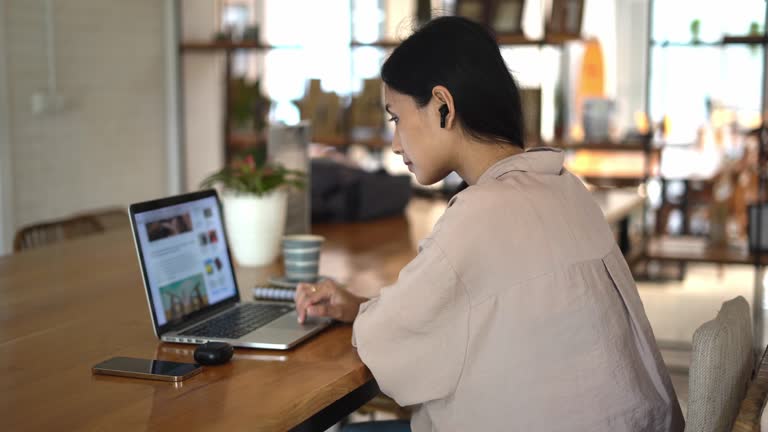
(519, 312)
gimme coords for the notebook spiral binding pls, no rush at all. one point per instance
(271, 293)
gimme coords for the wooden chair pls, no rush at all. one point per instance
(46, 233)
(751, 416)
(109, 217)
(385, 404)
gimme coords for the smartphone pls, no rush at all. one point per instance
(148, 369)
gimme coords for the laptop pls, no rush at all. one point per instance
(190, 281)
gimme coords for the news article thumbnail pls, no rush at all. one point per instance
(184, 297)
(169, 227)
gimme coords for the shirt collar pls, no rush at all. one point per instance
(539, 160)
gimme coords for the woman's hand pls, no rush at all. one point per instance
(326, 299)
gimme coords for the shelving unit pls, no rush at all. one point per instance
(746, 40)
(685, 205)
(376, 44)
(634, 145)
(685, 249)
(503, 40)
(226, 46)
(697, 249)
(726, 40)
(232, 141)
(651, 152)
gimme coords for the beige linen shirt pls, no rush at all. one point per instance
(519, 314)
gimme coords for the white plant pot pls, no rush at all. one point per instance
(255, 226)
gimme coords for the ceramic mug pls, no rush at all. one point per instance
(301, 256)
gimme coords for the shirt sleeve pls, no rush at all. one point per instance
(413, 337)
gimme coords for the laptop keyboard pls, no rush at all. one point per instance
(239, 322)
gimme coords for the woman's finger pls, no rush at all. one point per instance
(310, 294)
(324, 310)
(301, 301)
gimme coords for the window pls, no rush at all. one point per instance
(687, 74)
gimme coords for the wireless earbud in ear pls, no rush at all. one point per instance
(443, 114)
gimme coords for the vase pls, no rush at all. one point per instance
(255, 225)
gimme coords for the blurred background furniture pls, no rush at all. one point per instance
(751, 417)
(109, 217)
(721, 366)
(46, 233)
(78, 225)
(382, 403)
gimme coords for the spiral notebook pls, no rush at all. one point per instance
(273, 293)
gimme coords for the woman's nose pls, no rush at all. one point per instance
(396, 147)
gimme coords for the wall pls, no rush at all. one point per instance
(6, 178)
(107, 144)
(203, 86)
(632, 58)
(175, 170)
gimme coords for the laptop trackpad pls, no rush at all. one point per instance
(288, 322)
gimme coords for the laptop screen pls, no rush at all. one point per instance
(185, 258)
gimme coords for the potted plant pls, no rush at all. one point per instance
(248, 106)
(254, 197)
(695, 31)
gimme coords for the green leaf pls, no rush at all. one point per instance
(260, 179)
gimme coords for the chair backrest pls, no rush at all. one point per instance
(46, 233)
(721, 366)
(109, 217)
(752, 416)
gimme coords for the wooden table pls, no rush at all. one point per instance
(617, 204)
(623, 209)
(618, 167)
(69, 306)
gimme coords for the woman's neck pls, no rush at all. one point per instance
(477, 156)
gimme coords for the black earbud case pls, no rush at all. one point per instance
(214, 353)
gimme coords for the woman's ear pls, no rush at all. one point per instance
(442, 103)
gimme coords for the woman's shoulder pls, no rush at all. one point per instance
(476, 210)
(517, 210)
(481, 199)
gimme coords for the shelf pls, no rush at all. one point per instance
(691, 44)
(745, 40)
(503, 39)
(727, 40)
(229, 46)
(379, 44)
(604, 145)
(697, 249)
(243, 141)
(549, 39)
(517, 39)
(240, 141)
(612, 181)
(344, 141)
(561, 38)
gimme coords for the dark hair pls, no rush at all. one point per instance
(464, 57)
